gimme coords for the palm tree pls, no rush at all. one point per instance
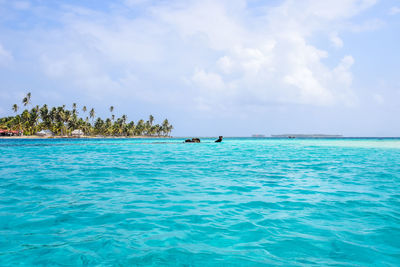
(15, 108)
(123, 124)
(111, 111)
(34, 119)
(158, 129)
(74, 108)
(166, 127)
(18, 123)
(92, 114)
(140, 127)
(61, 121)
(27, 99)
(45, 116)
(131, 128)
(169, 129)
(108, 127)
(124, 118)
(87, 126)
(151, 119)
(67, 120)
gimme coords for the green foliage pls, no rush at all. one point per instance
(62, 121)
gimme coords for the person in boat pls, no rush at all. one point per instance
(219, 140)
(194, 140)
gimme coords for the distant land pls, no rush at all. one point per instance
(258, 135)
(306, 135)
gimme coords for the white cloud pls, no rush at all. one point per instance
(22, 5)
(5, 56)
(341, 81)
(394, 10)
(228, 56)
(210, 20)
(336, 41)
(277, 63)
(311, 90)
(368, 25)
(333, 9)
(378, 99)
(225, 64)
(133, 3)
(342, 73)
(208, 80)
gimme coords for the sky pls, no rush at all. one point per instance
(221, 67)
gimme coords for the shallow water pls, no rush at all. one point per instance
(243, 202)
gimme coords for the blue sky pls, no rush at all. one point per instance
(230, 68)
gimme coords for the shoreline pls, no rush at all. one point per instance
(183, 137)
(83, 137)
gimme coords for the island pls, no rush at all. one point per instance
(46, 121)
(307, 135)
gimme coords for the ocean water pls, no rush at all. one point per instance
(160, 202)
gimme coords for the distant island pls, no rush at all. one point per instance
(59, 121)
(306, 135)
(258, 135)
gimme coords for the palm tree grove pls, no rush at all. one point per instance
(62, 122)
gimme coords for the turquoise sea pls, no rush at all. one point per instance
(160, 202)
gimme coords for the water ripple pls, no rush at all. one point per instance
(244, 202)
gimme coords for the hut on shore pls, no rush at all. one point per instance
(5, 132)
(77, 133)
(45, 133)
